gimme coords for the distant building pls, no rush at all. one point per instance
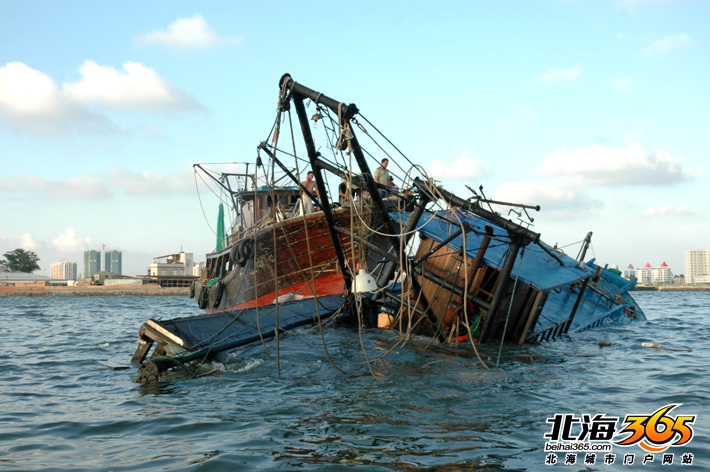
(63, 270)
(630, 272)
(113, 262)
(648, 275)
(643, 275)
(662, 275)
(697, 266)
(679, 279)
(19, 278)
(180, 264)
(92, 262)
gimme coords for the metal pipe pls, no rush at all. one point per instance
(576, 303)
(451, 287)
(412, 223)
(343, 110)
(443, 243)
(271, 155)
(320, 183)
(475, 208)
(503, 281)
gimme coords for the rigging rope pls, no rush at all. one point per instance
(510, 304)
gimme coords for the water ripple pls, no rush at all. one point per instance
(429, 408)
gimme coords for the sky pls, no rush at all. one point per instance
(598, 111)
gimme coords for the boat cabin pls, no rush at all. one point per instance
(258, 205)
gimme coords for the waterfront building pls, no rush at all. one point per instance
(113, 262)
(648, 275)
(92, 262)
(643, 275)
(630, 272)
(198, 268)
(697, 266)
(63, 270)
(662, 275)
(179, 264)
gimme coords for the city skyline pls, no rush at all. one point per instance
(596, 111)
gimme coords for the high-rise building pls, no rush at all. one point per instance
(92, 262)
(113, 261)
(697, 266)
(63, 270)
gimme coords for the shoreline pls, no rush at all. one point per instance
(671, 288)
(94, 291)
(154, 290)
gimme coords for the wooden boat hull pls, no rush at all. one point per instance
(541, 299)
(292, 259)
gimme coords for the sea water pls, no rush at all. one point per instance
(347, 400)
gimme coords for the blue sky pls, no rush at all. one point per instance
(595, 110)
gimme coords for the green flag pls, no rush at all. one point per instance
(220, 229)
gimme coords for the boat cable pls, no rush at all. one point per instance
(310, 260)
(347, 133)
(282, 100)
(435, 189)
(199, 197)
(510, 304)
(363, 223)
(275, 131)
(256, 297)
(214, 338)
(386, 139)
(465, 295)
(364, 130)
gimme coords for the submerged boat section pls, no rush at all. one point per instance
(327, 237)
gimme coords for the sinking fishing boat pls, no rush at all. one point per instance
(411, 256)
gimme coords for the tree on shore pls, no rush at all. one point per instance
(20, 260)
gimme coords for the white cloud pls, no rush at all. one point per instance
(556, 75)
(189, 33)
(68, 242)
(464, 167)
(26, 91)
(73, 188)
(667, 210)
(631, 6)
(31, 187)
(28, 242)
(33, 101)
(558, 198)
(668, 43)
(147, 183)
(136, 88)
(604, 166)
(621, 84)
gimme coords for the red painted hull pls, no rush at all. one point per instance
(295, 256)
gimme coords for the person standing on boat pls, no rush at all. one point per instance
(382, 176)
(343, 194)
(310, 185)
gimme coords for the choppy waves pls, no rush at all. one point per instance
(419, 407)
